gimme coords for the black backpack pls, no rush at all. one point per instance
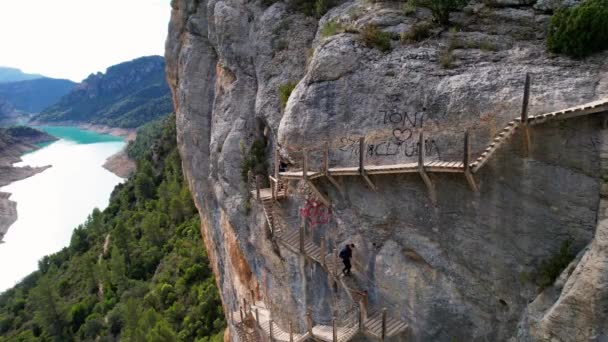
(343, 253)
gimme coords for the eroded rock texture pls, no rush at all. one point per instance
(457, 270)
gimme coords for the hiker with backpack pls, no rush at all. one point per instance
(345, 255)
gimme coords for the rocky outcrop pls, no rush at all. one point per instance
(457, 269)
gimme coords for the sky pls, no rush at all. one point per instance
(74, 38)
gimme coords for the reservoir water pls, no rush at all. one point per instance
(52, 203)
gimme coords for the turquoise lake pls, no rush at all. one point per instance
(52, 203)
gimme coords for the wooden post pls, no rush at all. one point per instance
(326, 158)
(245, 305)
(242, 317)
(334, 330)
(361, 155)
(290, 332)
(257, 186)
(335, 263)
(302, 228)
(323, 251)
(360, 317)
(466, 160)
(362, 164)
(271, 338)
(277, 162)
(309, 322)
(327, 173)
(422, 171)
(257, 317)
(383, 334)
(305, 164)
(524, 117)
(363, 306)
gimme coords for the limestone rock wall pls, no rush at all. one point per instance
(455, 270)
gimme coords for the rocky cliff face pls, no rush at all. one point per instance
(460, 269)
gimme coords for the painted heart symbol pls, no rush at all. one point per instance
(402, 134)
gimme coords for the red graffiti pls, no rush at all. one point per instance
(316, 212)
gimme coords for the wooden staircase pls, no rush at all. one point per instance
(372, 324)
(500, 139)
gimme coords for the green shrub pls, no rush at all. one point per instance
(331, 28)
(409, 8)
(579, 31)
(447, 59)
(312, 8)
(372, 37)
(254, 160)
(550, 269)
(441, 8)
(285, 91)
(418, 32)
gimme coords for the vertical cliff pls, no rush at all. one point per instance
(465, 267)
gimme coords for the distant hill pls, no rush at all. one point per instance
(33, 96)
(15, 75)
(128, 95)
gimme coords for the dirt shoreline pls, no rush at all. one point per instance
(119, 164)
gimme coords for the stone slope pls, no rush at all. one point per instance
(453, 270)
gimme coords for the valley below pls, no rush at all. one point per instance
(42, 211)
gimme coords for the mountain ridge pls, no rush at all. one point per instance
(127, 95)
(9, 74)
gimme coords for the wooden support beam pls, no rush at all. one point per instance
(245, 304)
(466, 160)
(323, 251)
(321, 196)
(290, 331)
(241, 312)
(277, 162)
(363, 307)
(271, 323)
(305, 165)
(302, 228)
(333, 181)
(336, 263)
(524, 118)
(383, 332)
(309, 323)
(422, 171)
(257, 186)
(362, 164)
(334, 329)
(257, 317)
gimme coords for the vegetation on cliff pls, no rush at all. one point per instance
(136, 271)
(579, 31)
(128, 95)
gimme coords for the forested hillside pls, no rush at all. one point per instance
(128, 95)
(32, 96)
(136, 271)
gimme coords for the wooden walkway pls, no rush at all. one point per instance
(377, 324)
(466, 165)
